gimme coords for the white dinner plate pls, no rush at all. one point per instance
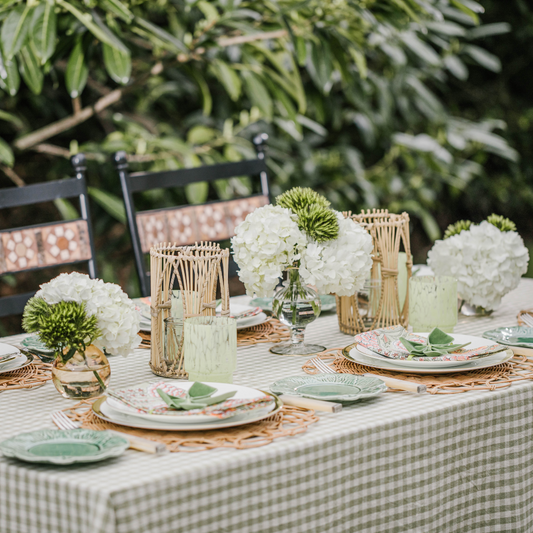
(20, 361)
(178, 418)
(353, 354)
(103, 410)
(252, 321)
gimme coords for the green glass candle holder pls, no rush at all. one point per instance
(432, 303)
(210, 348)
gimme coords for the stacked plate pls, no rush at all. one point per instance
(370, 350)
(34, 345)
(12, 358)
(246, 316)
(141, 407)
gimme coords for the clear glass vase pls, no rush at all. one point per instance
(296, 305)
(84, 375)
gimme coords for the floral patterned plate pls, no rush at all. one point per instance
(386, 342)
(64, 447)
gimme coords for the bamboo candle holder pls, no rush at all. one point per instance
(388, 231)
(197, 271)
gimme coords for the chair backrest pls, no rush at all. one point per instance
(214, 221)
(46, 245)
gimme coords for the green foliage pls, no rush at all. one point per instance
(502, 223)
(355, 97)
(63, 327)
(457, 227)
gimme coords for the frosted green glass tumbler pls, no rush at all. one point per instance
(432, 303)
(210, 348)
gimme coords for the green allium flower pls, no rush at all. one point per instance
(319, 222)
(62, 325)
(299, 198)
(455, 229)
(502, 223)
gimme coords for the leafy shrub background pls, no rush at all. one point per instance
(423, 106)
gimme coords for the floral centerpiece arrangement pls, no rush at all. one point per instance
(315, 244)
(487, 259)
(77, 317)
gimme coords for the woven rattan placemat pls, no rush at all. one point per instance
(271, 331)
(287, 422)
(33, 375)
(496, 377)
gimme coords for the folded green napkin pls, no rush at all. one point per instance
(438, 343)
(198, 396)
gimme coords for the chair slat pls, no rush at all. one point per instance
(44, 246)
(189, 224)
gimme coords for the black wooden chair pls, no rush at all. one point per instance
(45, 245)
(214, 221)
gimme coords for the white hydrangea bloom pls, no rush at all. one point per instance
(340, 266)
(265, 244)
(486, 262)
(116, 315)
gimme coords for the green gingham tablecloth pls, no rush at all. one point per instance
(402, 463)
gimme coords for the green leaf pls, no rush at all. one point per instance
(488, 30)
(206, 94)
(77, 71)
(11, 82)
(483, 58)
(67, 210)
(209, 11)
(44, 29)
(258, 93)
(31, 70)
(117, 64)
(6, 154)
(100, 31)
(9, 117)
(109, 203)
(117, 8)
(200, 135)
(228, 78)
(196, 193)
(14, 30)
(162, 35)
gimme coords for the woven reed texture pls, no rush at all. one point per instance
(197, 271)
(496, 377)
(29, 377)
(388, 231)
(286, 423)
(271, 331)
(525, 312)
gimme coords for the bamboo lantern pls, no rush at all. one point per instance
(388, 231)
(197, 271)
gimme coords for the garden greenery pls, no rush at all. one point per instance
(352, 94)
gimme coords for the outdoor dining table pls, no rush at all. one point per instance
(403, 462)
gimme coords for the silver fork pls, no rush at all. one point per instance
(527, 319)
(393, 383)
(62, 421)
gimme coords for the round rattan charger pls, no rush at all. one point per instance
(287, 422)
(496, 377)
(34, 375)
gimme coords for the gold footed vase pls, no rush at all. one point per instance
(84, 375)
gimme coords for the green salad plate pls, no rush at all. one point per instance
(327, 300)
(511, 336)
(343, 388)
(64, 447)
(34, 345)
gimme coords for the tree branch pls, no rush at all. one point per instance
(12, 175)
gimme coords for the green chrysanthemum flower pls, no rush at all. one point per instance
(319, 222)
(502, 223)
(62, 325)
(300, 198)
(455, 229)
